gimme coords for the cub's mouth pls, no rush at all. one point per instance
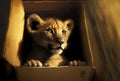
(55, 49)
(58, 48)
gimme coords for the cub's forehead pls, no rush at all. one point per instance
(55, 23)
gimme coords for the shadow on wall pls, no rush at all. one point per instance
(8, 16)
(103, 22)
(4, 19)
(4, 16)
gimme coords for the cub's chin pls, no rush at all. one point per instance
(57, 51)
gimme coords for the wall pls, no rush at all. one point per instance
(102, 21)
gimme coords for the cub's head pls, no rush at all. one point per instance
(50, 33)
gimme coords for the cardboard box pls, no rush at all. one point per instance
(79, 44)
(62, 73)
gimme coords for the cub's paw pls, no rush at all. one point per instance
(33, 63)
(77, 63)
(51, 64)
(47, 64)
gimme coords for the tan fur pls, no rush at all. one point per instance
(50, 37)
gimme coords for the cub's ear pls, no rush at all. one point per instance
(33, 22)
(69, 23)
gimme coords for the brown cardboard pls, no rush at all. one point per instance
(64, 73)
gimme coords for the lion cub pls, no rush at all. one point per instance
(50, 38)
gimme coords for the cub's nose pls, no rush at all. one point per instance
(60, 41)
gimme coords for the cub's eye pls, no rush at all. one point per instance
(50, 30)
(64, 31)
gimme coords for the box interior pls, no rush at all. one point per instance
(63, 10)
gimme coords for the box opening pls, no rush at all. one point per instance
(62, 10)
